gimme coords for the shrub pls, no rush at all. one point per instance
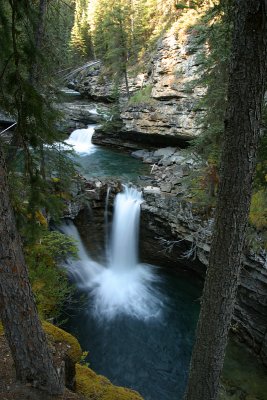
(142, 96)
(258, 210)
(49, 282)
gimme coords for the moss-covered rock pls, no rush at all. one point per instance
(71, 356)
(97, 387)
(88, 383)
(58, 335)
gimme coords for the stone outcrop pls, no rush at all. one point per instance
(94, 85)
(78, 113)
(176, 232)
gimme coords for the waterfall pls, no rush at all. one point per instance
(81, 140)
(123, 286)
(83, 270)
(125, 230)
(107, 224)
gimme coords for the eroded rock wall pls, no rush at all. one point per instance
(179, 236)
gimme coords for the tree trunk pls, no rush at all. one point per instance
(242, 131)
(38, 38)
(27, 341)
(126, 82)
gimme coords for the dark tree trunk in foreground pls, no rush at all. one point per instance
(27, 341)
(242, 131)
(38, 38)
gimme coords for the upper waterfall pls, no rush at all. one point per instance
(81, 140)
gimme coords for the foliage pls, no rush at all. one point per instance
(142, 96)
(112, 121)
(81, 39)
(215, 30)
(120, 31)
(258, 210)
(33, 159)
(39, 174)
(49, 282)
(48, 195)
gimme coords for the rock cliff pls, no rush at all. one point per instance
(164, 100)
(172, 109)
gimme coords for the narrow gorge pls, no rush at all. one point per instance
(113, 117)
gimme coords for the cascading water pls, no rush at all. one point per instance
(123, 286)
(125, 231)
(81, 140)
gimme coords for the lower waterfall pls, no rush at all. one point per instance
(123, 285)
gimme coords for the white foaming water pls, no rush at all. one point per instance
(81, 140)
(125, 230)
(124, 286)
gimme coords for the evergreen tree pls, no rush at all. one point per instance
(25, 96)
(112, 36)
(81, 41)
(23, 330)
(246, 90)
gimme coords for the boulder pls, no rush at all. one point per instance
(165, 152)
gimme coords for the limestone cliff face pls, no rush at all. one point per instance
(173, 109)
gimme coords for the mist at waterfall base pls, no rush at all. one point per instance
(98, 161)
(137, 322)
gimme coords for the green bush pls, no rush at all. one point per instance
(142, 96)
(49, 281)
(258, 210)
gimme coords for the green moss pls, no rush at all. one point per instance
(97, 387)
(58, 335)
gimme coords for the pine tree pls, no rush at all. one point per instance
(23, 330)
(81, 41)
(246, 90)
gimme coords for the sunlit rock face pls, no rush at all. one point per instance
(174, 107)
